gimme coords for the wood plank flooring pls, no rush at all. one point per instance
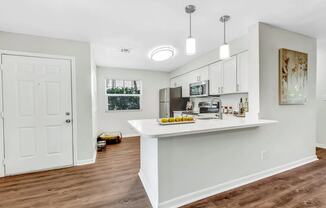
(113, 183)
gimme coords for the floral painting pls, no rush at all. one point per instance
(293, 80)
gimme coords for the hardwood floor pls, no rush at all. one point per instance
(113, 183)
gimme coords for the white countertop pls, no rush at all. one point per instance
(151, 128)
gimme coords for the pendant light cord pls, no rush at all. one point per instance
(190, 25)
(224, 33)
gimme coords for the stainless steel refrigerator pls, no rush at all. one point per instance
(171, 100)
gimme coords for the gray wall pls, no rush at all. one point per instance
(294, 137)
(321, 92)
(81, 52)
(118, 121)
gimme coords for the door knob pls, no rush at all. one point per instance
(68, 121)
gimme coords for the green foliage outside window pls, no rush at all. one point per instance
(124, 103)
(123, 90)
(123, 94)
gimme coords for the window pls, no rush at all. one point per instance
(123, 94)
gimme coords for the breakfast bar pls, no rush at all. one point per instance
(183, 163)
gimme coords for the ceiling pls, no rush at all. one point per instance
(144, 24)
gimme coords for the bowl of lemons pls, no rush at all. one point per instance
(176, 120)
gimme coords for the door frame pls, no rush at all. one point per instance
(73, 101)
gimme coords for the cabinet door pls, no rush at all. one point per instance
(175, 82)
(215, 78)
(203, 73)
(229, 75)
(242, 72)
(185, 80)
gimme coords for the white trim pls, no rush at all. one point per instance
(149, 192)
(87, 161)
(74, 109)
(73, 93)
(320, 145)
(130, 135)
(219, 188)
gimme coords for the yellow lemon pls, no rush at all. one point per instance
(164, 120)
(171, 119)
(178, 119)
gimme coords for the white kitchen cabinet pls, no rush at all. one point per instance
(242, 72)
(223, 76)
(181, 81)
(175, 82)
(185, 85)
(198, 75)
(215, 74)
(229, 75)
(202, 74)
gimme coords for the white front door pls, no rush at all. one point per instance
(37, 113)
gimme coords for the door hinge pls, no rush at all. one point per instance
(1, 67)
(2, 115)
(4, 161)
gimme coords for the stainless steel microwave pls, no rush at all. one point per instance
(199, 89)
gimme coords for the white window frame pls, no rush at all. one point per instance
(124, 95)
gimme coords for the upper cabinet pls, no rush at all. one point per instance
(242, 72)
(215, 78)
(185, 80)
(225, 77)
(230, 75)
(175, 82)
(229, 67)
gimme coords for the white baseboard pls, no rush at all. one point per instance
(129, 135)
(321, 145)
(213, 190)
(149, 192)
(87, 161)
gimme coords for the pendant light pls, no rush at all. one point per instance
(224, 48)
(191, 41)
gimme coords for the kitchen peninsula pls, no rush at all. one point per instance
(186, 162)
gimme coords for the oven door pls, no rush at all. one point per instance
(199, 89)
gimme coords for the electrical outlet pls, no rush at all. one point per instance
(264, 155)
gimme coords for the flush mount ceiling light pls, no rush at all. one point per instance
(225, 48)
(162, 53)
(191, 41)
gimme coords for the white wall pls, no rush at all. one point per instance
(321, 92)
(81, 51)
(117, 121)
(294, 136)
(94, 99)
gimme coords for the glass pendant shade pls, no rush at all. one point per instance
(224, 51)
(190, 46)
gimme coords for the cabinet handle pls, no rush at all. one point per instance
(238, 88)
(221, 89)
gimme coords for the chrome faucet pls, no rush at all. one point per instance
(218, 102)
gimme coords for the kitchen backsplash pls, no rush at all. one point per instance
(227, 100)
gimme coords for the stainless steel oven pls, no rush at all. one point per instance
(199, 89)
